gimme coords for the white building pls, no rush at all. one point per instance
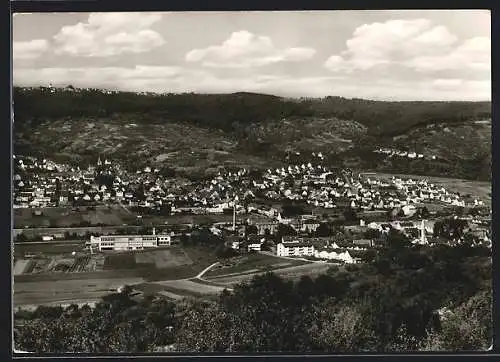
(295, 248)
(332, 255)
(255, 247)
(128, 242)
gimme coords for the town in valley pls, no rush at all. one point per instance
(305, 182)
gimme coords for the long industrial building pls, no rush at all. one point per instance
(128, 242)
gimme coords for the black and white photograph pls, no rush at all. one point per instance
(299, 182)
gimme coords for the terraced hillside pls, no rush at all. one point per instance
(195, 134)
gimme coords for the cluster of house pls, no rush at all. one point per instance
(42, 183)
(321, 187)
(53, 89)
(237, 191)
(390, 152)
(421, 191)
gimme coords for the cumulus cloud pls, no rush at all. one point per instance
(29, 49)
(107, 34)
(416, 44)
(474, 54)
(244, 49)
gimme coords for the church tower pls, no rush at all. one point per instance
(99, 162)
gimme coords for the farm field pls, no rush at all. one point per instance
(113, 215)
(65, 247)
(76, 231)
(65, 276)
(69, 216)
(61, 291)
(189, 219)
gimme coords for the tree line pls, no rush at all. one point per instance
(229, 112)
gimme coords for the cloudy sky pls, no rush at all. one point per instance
(400, 55)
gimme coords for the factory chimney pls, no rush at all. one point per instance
(423, 239)
(234, 213)
(234, 217)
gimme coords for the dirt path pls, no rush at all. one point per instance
(124, 208)
(200, 275)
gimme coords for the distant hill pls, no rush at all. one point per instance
(192, 132)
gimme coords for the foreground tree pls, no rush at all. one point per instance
(467, 328)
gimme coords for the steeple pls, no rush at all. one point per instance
(99, 162)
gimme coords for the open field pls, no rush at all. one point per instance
(178, 289)
(310, 269)
(250, 264)
(191, 286)
(49, 248)
(70, 216)
(79, 231)
(170, 295)
(61, 291)
(208, 282)
(149, 220)
(479, 189)
(166, 291)
(99, 274)
(113, 215)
